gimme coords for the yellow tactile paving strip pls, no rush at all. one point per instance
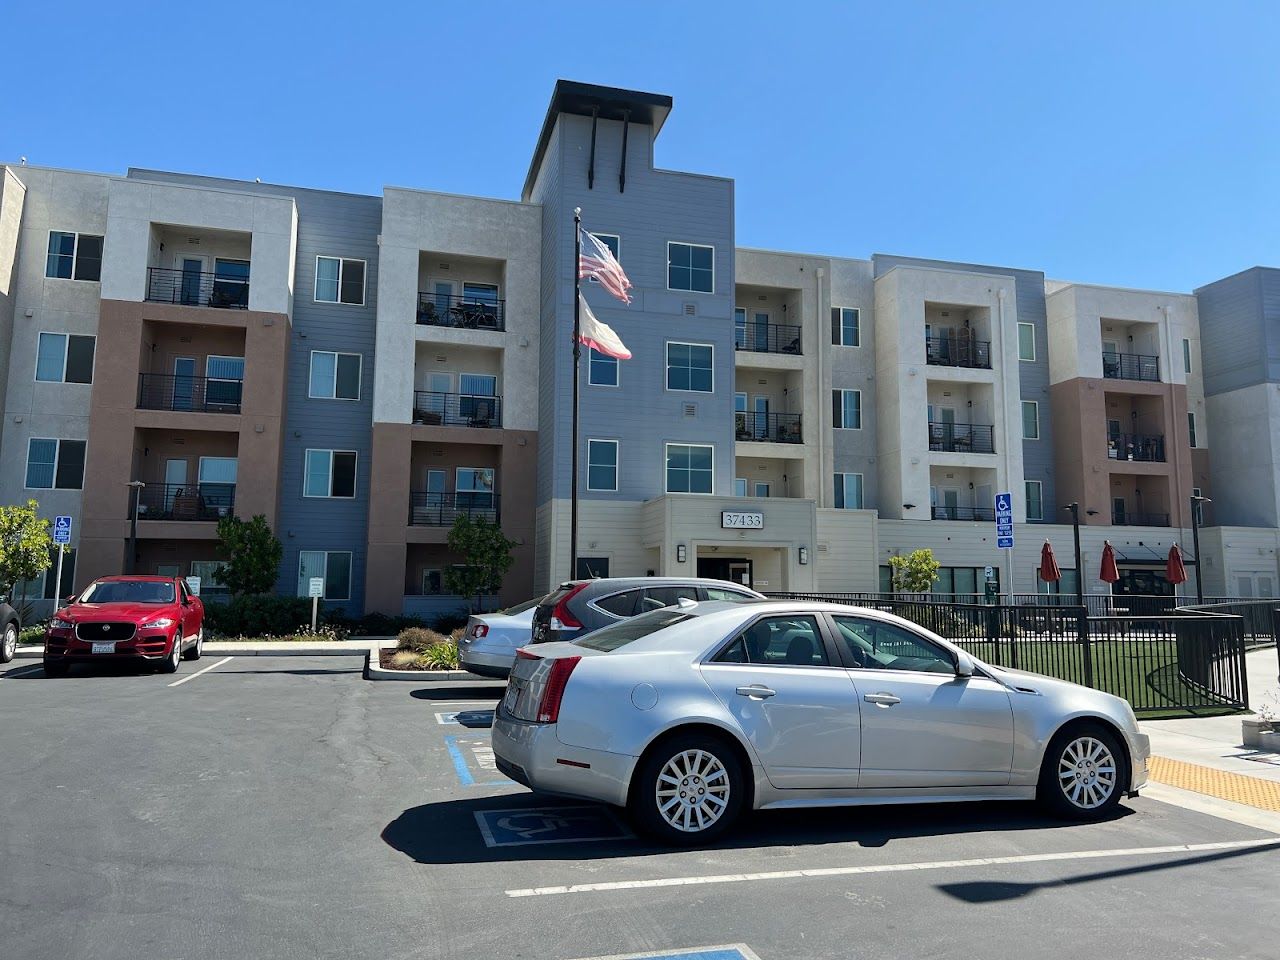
(1251, 791)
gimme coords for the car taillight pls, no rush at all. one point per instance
(561, 611)
(480, 631)
(553, 692)
(523, 654)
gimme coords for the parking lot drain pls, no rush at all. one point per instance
(1236, 787)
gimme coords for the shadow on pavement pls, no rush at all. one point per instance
(464, 690)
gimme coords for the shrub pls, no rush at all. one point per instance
(418, 639)
(257, 615)
(441, 656)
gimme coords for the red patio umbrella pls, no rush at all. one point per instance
(1108, 573)
(1174, 570)
(1049, 571)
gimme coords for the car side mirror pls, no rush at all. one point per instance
(964, 665)
(70, 600)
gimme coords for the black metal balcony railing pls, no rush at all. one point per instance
(1136, 446)
(964, 513)
(186, 501)
(1127, 519)
(769, 427)
(961, 437)
(767, 338)
(196, 289)
(1130, 366)
(958, 351)
(456, 409)
(165, 391)
(441, 509)
(470, 313)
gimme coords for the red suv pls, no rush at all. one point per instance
(156, 619)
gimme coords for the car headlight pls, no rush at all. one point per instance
(57, 623)
(159, 623)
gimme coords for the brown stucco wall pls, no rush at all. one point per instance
(118, 432)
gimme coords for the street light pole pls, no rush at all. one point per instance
(130, 560)
(1074, 507)
(1196, 501)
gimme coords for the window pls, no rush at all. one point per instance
(761, 488)
(224, 380)
(589, 567)
(476, 393)
(335, 376)
(655, 598)
(731, 596)
(602, 369)
(775, 641)
(614, 243)
(1191, 427)
(602, 465)
(339, 280)
(74, 256)
(690, 266)
(847, 409)
(689, 367)
(873, 645)
(1035, 500)
(848, 491)
(689, 468)
(55, 464)
(432, 582)
(844, 327)
(473, 487)
(210, 585)
(333, 566)
(43, 586)
(329, 473)
(65, 358)
(1026, 341)
(620, 604)
(230, 283)
(739, 486)
(1186, 356)
(739, 328)
(1030, 420)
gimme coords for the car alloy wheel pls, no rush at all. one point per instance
(1087, 773)
(692, 791)
(9, 646)
(170, 663)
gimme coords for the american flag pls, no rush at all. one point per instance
(597, 260)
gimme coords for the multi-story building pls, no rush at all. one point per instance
(363, 370)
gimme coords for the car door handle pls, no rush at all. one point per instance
(882, 699)
(756, 691)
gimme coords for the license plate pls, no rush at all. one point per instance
(104, 648)
(513, 694)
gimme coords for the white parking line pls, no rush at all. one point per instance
(891, 868)
(192, 676)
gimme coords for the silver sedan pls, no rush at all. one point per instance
(693, 714)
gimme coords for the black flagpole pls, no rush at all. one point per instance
(577, 356)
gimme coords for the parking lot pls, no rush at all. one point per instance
(255, 807)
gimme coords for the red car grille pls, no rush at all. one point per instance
(105, 632)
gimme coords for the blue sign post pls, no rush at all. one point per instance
(1004, 534)
(61, 536)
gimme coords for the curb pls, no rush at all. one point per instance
(372, 671)
(296, 650)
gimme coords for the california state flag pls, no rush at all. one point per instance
(598, 335)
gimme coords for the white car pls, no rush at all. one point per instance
(691, 715)
(488, 645)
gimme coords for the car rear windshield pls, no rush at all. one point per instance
(129, 591)
(521, 607)
(620, 634)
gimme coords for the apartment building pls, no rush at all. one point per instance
(363, 370)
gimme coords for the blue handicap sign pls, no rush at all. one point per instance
(522, 826)
(61, 529)
(1004, 529)
(1004, 506)
(1004, 543)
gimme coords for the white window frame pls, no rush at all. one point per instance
(325, 574)
(364, 280)
(57, 459)
(617, 367)
(858, 312)
(666, 366)
(843, 391)
(844, 491)
(688, 243)
(355, 474)
(1022, 410)
(1032, 328)
(66, 336)
(336, 354)
(666, 455)
(757, 484)
(1039, 499)
(75, 255)
(617, 464)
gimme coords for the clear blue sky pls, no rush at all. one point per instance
(1120, 143)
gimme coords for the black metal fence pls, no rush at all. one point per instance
(441, 509)
(771, 427)
(186, 501)
(165, 391)
(958, 351)
(467, 312)
(457, 409)
(961, 437)
(1130, 366)
(941, 511)
(191, 289)
(1145, 447)
(768, 338)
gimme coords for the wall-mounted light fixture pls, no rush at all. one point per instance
(681, 553)
(804, 556)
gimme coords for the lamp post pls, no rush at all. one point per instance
(1074, 507)
(1196, 501)
(131, 559)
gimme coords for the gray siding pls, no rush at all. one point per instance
(1240, 330)
(1033, 377)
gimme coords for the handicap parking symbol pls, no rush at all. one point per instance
(522, 827)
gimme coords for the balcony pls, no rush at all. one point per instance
(1145, 448)
(164, 391)
(1130, 366)
(186, 501)
(767, 338)
(191, 289)
(958, 351)
(961, 437)
(456, 409)
(461, 312)
(941, 512)
(768, 427)
(1123, 518)
(441, 509)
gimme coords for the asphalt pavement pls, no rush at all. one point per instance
(286, 808)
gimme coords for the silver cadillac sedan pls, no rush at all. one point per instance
(690, 715)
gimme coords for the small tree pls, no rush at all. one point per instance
(253, 555)
(488, 558)
(24, 546)
(916, 572)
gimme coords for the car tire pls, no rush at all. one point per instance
(56, 668)
(688, 790)
(1084, 774)
(197, 648)
(9, 642)
(170, 663)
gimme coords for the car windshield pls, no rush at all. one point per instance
(521, 607)
(128, 591)
(620, 634)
